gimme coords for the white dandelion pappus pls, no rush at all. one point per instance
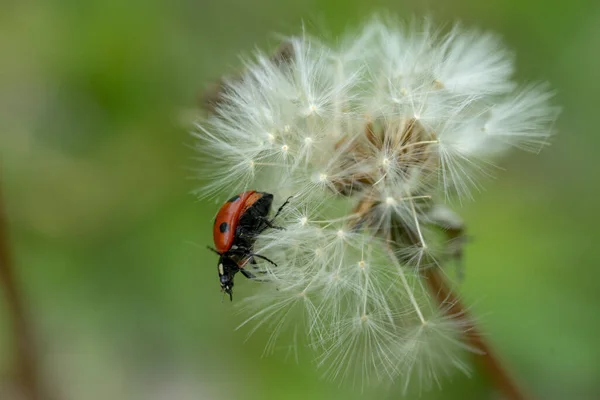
(367, 137)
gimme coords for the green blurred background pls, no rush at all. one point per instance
(109, 243)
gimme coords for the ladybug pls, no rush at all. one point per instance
(237, 225)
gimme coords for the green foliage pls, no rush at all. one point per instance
(111, 247)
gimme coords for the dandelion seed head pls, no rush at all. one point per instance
(368, 135)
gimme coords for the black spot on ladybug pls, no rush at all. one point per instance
(224, 227)
(233, 199)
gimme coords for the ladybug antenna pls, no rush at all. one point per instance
(229, 292)
(226, 293)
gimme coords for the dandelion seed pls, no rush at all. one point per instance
(369, 136)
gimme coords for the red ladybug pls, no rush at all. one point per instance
(239, 221)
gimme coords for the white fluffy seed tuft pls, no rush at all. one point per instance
(366, 136)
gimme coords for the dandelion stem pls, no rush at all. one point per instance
(454, 308)
(26, 360)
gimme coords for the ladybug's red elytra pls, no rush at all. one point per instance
(238, 223)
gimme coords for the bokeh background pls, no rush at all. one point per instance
(95, 167)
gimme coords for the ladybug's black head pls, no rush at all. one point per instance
(227, 270)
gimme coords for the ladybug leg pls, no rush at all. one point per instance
(255, 268)
(211, 249)
(247, 274)
(285, 203)
(262, 257)
(250, 275)
(269, 224)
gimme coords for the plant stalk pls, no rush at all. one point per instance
(449, 301)
(25, 359)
